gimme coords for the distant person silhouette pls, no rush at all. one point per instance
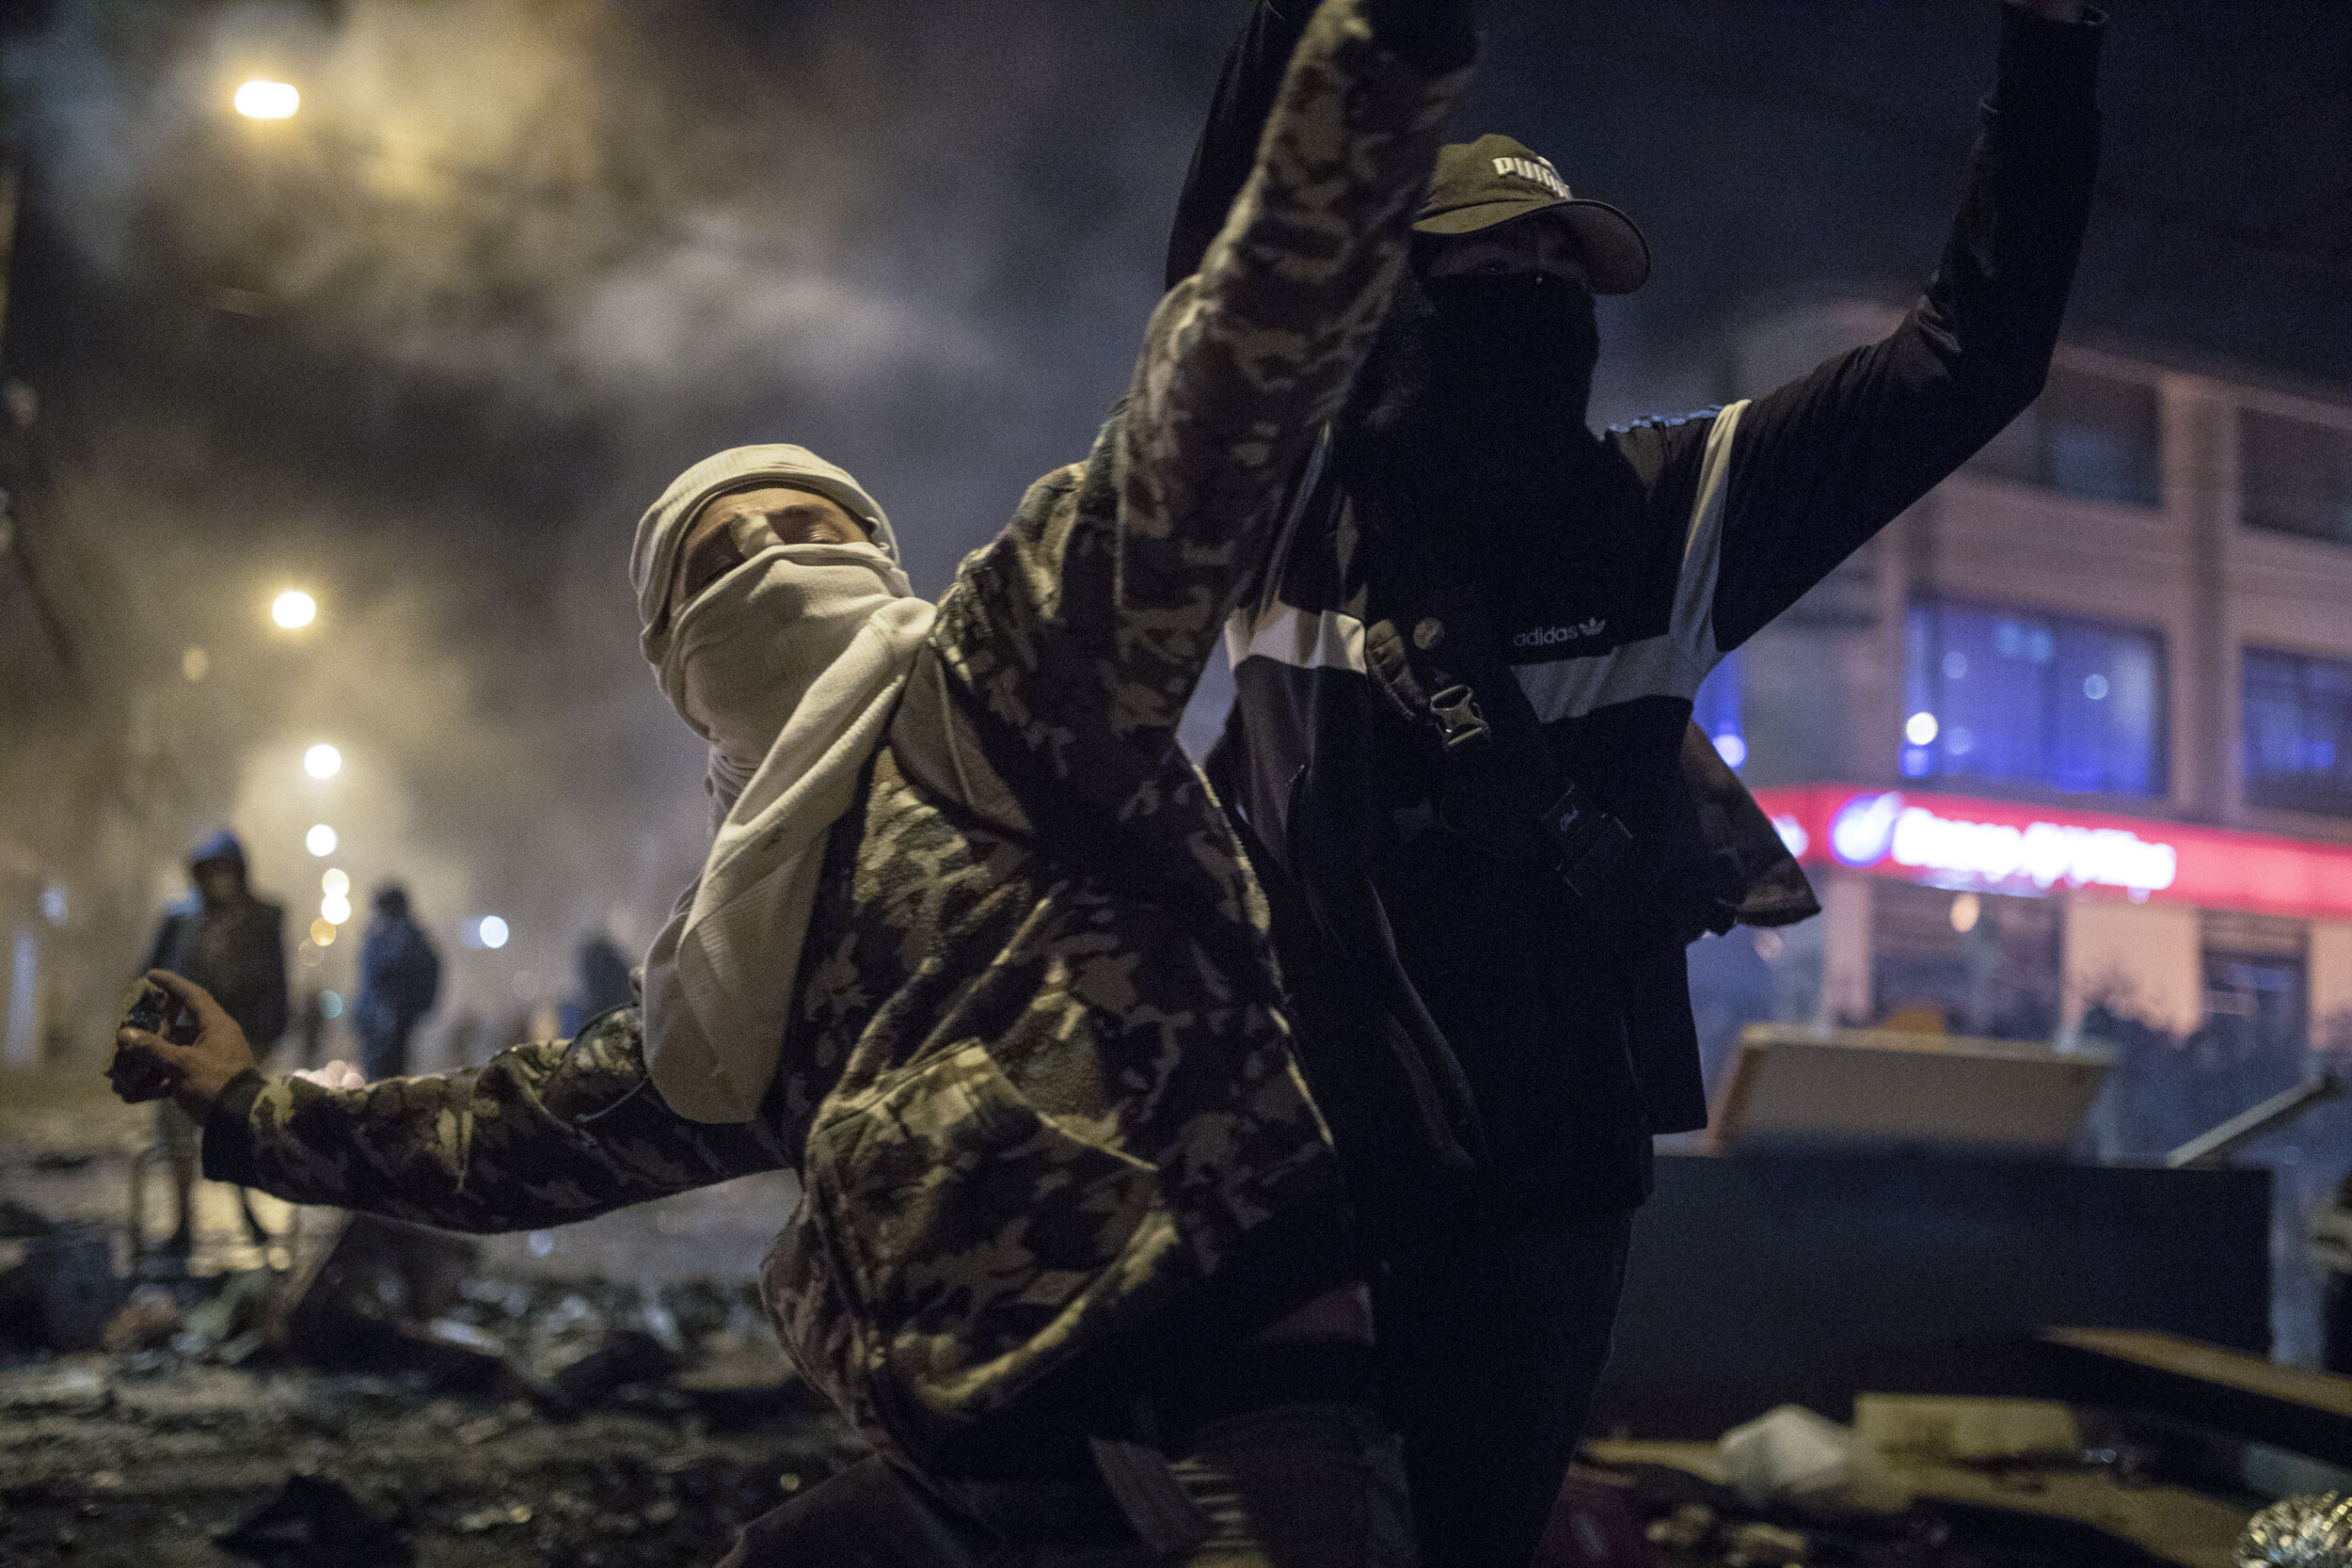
(233, 945)
(400, 978)
(604, 983)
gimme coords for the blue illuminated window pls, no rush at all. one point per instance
(2298, 732)
(2015, 696)
(1716, 711)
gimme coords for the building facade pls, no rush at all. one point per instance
(2068, 750)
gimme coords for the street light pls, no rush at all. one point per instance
(321, 761)
(268, 100)
(320, 840)
(293, 608)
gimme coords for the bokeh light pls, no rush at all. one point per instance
(294, 608)
(330, 1005)
(335, 907)
(492, 930)
(321, 761)
(320, 840)
(196, 664)
(323, 933)
(268, 100)
(335, 882)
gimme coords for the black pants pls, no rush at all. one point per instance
(1290, 1486)
(1492, 1338)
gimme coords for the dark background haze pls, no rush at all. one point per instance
(427, 349)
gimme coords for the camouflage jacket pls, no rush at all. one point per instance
(1036, 1083)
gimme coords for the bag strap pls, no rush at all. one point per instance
(1447, 674)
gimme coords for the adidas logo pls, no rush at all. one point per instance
(1546, 637)
(1535, 171)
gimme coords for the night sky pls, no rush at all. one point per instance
(427, 348)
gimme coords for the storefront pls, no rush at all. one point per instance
(2214, 966)
(1994, 917)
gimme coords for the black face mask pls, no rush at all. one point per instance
(1514, 353)
(1469, 410)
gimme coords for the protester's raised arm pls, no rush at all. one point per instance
(1826, 461)
(1227, 149)
(1086, 625)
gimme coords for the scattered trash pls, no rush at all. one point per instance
(57, 1285)
(1967, 1431)
(1761, 1546)
(146, 1319)
(494, 1517)
(378, 1356)
(1686, 1527)
(2300, 1532)
(233, 1315)
(1787, 1451)
(624, 1358)
(315, 1522)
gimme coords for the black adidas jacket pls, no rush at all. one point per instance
(1536, 1041)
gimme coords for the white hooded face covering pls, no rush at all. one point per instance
(744, 651)
(790, 666)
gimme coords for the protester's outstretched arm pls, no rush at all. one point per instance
(1227, 149)
(1825, 462)
(543, 1134)
(1086, 625)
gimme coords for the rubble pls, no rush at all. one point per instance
(57, 1285)
(381, 1404)
(315, 1522)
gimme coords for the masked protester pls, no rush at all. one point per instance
(975, 954)
(1462, 748)
(233, 945)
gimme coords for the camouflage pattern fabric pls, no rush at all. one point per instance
(1036, 1082)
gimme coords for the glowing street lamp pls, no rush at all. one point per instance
(268, 100)
(320, 840)
(293, 608)
(321, 761)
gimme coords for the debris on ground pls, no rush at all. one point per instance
(103, 1457)
(381, 1404)
(315, 1522)
(57, 1285)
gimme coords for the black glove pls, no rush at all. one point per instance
(1434, 35)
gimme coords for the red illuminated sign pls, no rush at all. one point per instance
(2001, 847)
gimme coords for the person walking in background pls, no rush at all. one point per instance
(400, 978)
(233, 945)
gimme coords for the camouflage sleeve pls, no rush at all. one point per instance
(1085, 626)
(543, 1134)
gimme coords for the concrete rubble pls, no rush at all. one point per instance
(383, 1402)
